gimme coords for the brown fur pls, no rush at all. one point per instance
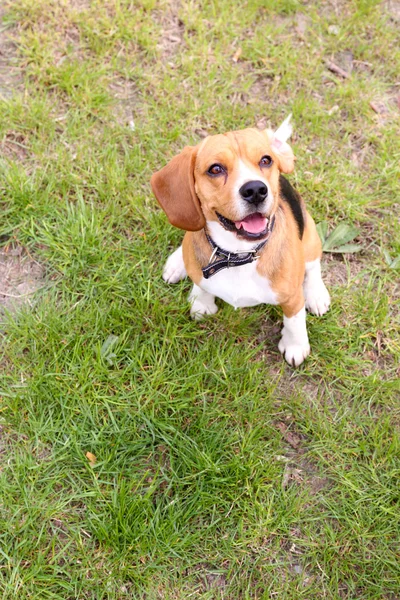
(173, 187)
(283, 258)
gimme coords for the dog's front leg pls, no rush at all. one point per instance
(174, 269)
(294, 343)
(202, 303)
(315, 292)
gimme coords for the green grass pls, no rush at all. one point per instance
(195, 492)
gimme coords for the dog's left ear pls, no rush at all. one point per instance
(173, 186)
(280, 147)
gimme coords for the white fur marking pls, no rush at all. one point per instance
(228, 240)
(284, 131)
(174, 269)
(240, 286)
(294, 342)
(250, 174)
(202, 303)
(315, 293)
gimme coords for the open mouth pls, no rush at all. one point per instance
(252, 227)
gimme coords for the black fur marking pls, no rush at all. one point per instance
(289, 194)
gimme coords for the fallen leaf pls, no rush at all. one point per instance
(296, 475)
(91, 458)
(291, 474)
(379, 107)
(292, 439)
(237, 55)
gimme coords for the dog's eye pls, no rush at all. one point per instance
(266, 161)
(216, 170)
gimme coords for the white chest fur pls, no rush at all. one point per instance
(240, 286)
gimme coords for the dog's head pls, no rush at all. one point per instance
(232, 179)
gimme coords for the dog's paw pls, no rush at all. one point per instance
(317, 299)
(293, 353)
(294, 343)
(201, 307)
(174, 269)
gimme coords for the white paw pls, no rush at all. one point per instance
(317, 298)
(202, 307)
(294, 342)
(174, 269)
(293, 353)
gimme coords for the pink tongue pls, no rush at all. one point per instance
(255, 223)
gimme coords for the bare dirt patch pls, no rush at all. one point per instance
(300, 470)
(173, 30)
(20, 277)
(79, 5)
(209, 577)
(13, 146)
(392, 8)
(10, 75)
(335, 271)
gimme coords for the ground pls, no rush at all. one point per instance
(144, 455)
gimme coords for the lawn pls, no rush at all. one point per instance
(144, 455)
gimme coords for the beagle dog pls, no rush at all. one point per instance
(249, 238)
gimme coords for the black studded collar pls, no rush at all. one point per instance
(222, 259)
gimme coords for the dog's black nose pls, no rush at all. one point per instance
(254, 192)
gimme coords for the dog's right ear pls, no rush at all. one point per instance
(173, 186)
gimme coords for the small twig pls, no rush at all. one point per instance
(86, 533)
(362, 62)
(20, 295)
(32, 259)
(237, 55)
(336, 69)
(10, 141)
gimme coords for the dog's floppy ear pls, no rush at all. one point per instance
(173, 186)
(280, 147)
